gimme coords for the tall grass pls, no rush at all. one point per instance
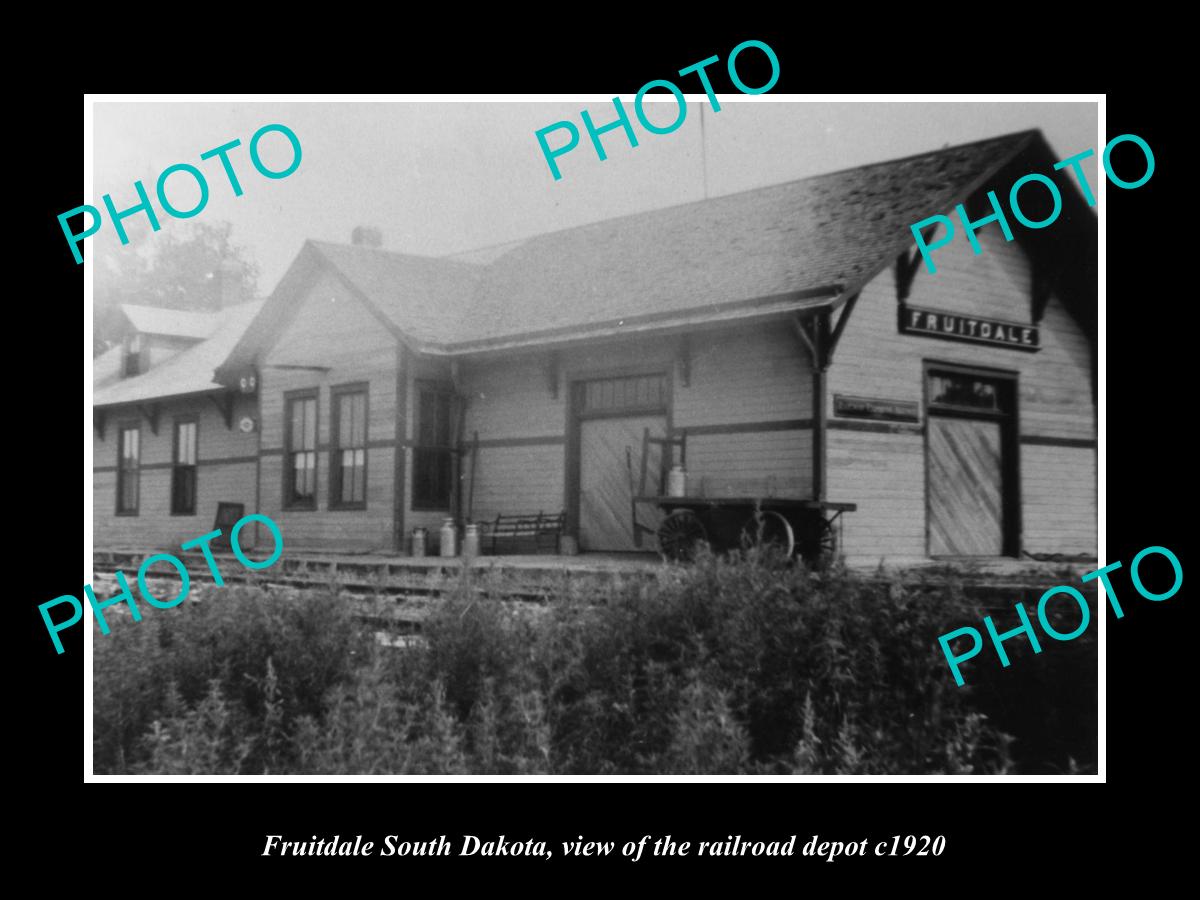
(729, 665)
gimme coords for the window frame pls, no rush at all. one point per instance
(579, 386)
(290, 502)
(122, 428)
(336, 394)
(420, 502)
(1005, 381)
(177, 466)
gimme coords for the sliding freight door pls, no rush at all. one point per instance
(971, 484)
(612, 418)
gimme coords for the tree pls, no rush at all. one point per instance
(195, 267)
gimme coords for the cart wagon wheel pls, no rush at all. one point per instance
(680, 534)
(769, 528)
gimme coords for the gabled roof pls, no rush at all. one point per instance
(775, 249)
(188, 372)
(171, 322)
(425, 297)
(820, 234)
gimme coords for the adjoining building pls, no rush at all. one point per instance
(791, 332)
(169, 443)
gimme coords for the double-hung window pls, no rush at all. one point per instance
(128, 450)
(300, 458)
(348, 461)
(183, 469)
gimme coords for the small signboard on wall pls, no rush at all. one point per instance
(875, 408)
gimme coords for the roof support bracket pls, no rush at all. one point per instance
(151, 413)
(224, 404)
(843, 318)
(800, 327)
(456, 377)
(99, 419)
(685, 360)
(907, 265)
(813, 331)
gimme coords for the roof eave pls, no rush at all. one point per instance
(159, 398)
(764, 309)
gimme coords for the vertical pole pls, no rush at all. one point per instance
(820, 341)
(460, 400)
(399, 469)
(471, 488)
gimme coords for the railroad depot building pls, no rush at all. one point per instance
(791, 334)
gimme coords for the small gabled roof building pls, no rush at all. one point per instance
(170, 442)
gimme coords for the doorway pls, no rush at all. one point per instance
(972, 496)
(611, 418)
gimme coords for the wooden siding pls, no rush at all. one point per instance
(744, 385)
(744, 377)
(332, 330)
(776, 464)
(225, 472)
(1058, 488)
(884, 473)
(518, 480)
(511, 401)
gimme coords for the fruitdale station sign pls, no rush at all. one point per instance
(972, 329)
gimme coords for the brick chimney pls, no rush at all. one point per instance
(229, 285)
(366, 236)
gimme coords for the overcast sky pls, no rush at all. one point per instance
(438, 178)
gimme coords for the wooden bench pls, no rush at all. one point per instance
(538, 533)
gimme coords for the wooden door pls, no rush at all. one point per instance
(605, 498)
(966, 487)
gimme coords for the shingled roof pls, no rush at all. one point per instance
(178, 323)
(816, 235)
(188, 372)
(773, 249)
(425, 297)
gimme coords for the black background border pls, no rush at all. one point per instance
(986, 825)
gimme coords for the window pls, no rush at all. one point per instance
(183, 469)
(128, 448)
(953, 390)
(133, 356)
(348, 482)
(613, 395)
(432, 456)
(300, 472)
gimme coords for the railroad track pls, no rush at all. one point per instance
(397, 597)
(394, 598)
